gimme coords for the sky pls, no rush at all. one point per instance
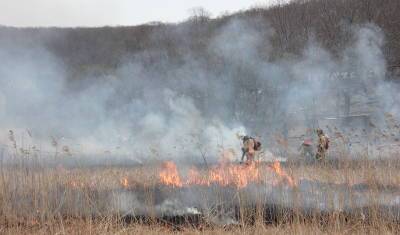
(67, 13)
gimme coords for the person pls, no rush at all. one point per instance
(322, 146)
(250, 146)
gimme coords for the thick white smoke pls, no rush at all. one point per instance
(182, 110)
(36, 100)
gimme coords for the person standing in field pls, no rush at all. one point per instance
(322, 145)
(250, 146)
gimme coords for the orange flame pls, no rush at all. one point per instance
(124, 182)
(276, 166)
(170, 175)
(224, 174)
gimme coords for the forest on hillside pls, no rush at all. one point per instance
(329, 21)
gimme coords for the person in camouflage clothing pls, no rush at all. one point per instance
(250, 146)
(322, 146)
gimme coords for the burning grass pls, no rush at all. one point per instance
(43, 199)
(226, 174)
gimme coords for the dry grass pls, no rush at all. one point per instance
(30, 198)
(369, 172)
(112, 227)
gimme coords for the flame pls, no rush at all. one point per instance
(276, 166)
(124, 182)
(224, 174)
(170, 175)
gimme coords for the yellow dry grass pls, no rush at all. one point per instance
(38, 213)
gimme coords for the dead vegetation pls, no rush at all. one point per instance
(113, 227)
(45, 200)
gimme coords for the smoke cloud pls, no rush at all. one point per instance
(183, 110)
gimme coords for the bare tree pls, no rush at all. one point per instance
(199, 14)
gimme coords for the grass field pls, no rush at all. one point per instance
(41, 199)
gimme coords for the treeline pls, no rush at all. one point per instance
(329, 21)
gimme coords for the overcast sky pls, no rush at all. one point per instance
(110, 12)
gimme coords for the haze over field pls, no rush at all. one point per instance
(185, 90)
(179, 109)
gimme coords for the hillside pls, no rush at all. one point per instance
(328, 21)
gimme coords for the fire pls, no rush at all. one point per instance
(124, 182)
(224, 174)
(237, 175)
(170, 175)
(276, 166)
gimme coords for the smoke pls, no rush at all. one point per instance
(127, 114)
(185, 109)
